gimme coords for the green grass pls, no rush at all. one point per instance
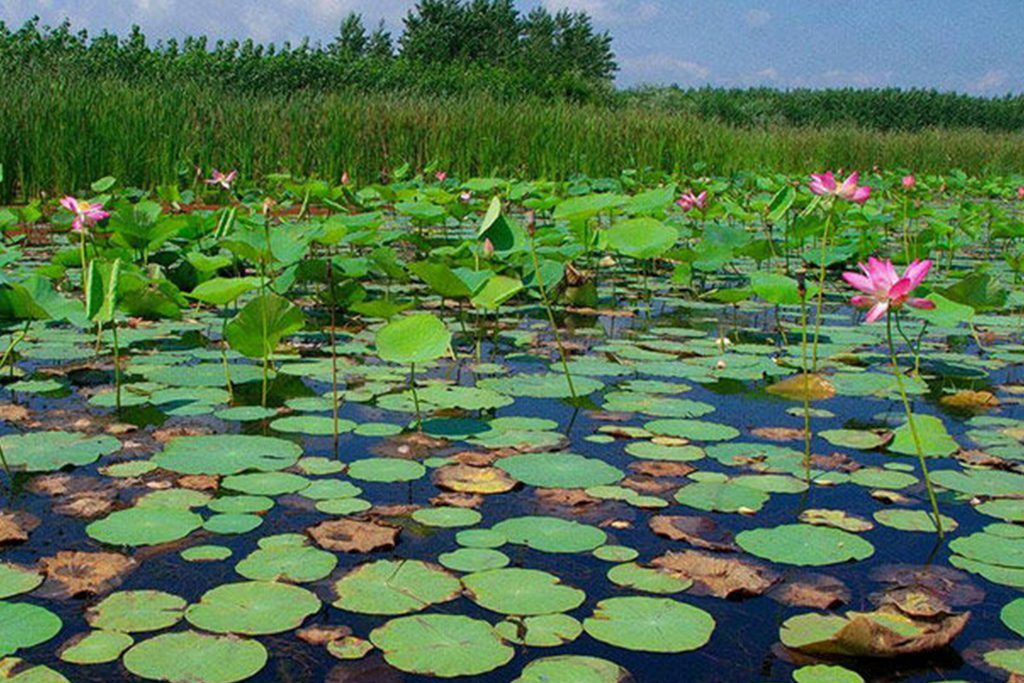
(59, 136)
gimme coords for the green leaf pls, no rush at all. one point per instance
(418, 338)
(641, 238)
(221, 291)
(259, 327)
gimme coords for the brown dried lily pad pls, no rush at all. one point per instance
(662, 468)
(566, 498)
(458, 500)
(12, 412)
(86, 505)
(354, 535)
(474, 458)
(200, 482)
(16, 526)
(321, 635)
(971, 401)
(778, 433)
(819, 591)
(701, 532)
(951, 586)
(467, 479)
(795, 388)
(722, 577)
(411, 446)
(71, 574)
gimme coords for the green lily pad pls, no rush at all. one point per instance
(136, 611)
(650, 624)
(23, 626)
(395, 587)
(725, 496)
(823, 673)
(696, 430)
(559, 470)
(522, 592)
(804, 545)
(1012, 615)
(252, 608)
(265, 483)
(50, 451)
(550, 385)
(315, 425)
(647, 579)
(349, 647)
(192, 657)
(15, 580)
(20, 671)
(913, 520)
(473, 559)
(572, 669)
(854, 438)
(206, 553)
(447, 517)
(935, 440)
(441, 645)
(226, 454)
(550, 534)
(144, 526)
(294, 561)
(96, 647)
(544, 630)
(386, 470)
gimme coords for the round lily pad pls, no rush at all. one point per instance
(442, 645)
(23, 625)
(447, 517)
(521, 592)
(15, 580)
(647, 579)
(544, 630)
(144, 526)
(473, 559)
(550, 385)
(696, 430)
(265, 483)
(804, 545)
(480, 538)
(295, 561)
(913, 520)
(252, 608)
(314, 425)
(20, 671)
(559, 470)
(206, 553)
(395, 587)
(192, 657)
(572, 669)
(1012, 616)
(241, 504)
(232, 523)
(386, 470)
(96, 647)
(136, 611)
(226, 454)
(649, 624)
(721, 496)
(551, 534)
(50, 451)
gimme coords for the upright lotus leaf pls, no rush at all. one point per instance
(641, 238)
(261, 325)
(395, 587)
(252, 608)
(101, 294)
(221, 291)
(504, 233)
(650, 624)
(778, 289)
(23, 625)
(804, 545)
(496, 291)
(523, 592)
(417, 338)
(441, 645)
(193, 657)
(440, 278)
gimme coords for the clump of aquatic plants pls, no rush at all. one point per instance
(488, 416)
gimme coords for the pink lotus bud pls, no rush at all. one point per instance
(909, 182)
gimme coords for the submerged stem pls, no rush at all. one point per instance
(551, 317)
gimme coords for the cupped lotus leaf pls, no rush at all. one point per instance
(20, 671)
(265, 483)
(522, 592)
(473, 559)
(1012, 615)
(395, 587)
(724, 496)
(227, 454)
(15, 580)
(913, 520)
(417, 338)
(441, 645)
(144, 526)
(136, 611)
(647, 579)
(697, 430)
(543, 630)
(293, 563)
(252, 608)
(349, 647)
(95, 647)
(193, 657)
(931, 431)
(386, 470)
(804, 545)
(50, 451)
(559, 470)
(573, 669)
(23, 625)
(447, 517)
(551, 534)
(315, 425)
(641, 238)
(261, 325)
(824, 673)
(650, 624)
(549, 385)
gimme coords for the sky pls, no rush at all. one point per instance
(971, 47)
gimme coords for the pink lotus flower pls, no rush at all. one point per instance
(345, 179)
(688, 202)
(909, 182)
(466, 196)
(441, 176)
(884, 289)
(85, 213)
(825, 185)
(222, 179)
(1020, 192)
(488, 247)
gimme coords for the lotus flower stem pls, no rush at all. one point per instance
(894, 360)
(807, 398)
(821, 287)
(551, 317)
(415, 396)
(334, 350)
(117, 367)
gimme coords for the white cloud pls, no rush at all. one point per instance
(756, 18)
(991, 82)
(609, 11)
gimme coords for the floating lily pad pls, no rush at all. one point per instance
(442, 645)
(723, 496)
(650, 624)
(20, 671)
(935, 440)
(136, 611)
(15, 580)
(647, 579)
(521, 592)
(144, 526)
(545, 630)
(386, 470)
(206, 553)
(447, 517)
(804, 545)
(913, 520)
(23, 625)
(96, 647)
(252, 608)
(293, 561)
(394, 587)
(314, 425)
(49, 451)
(559, 470)
(572, 669)
(473, 559)
(550, 534)
(192, 657)
(265, 483)
(226, 454)
(697, 430)
(551, 385)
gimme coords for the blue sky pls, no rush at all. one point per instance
(957, 45)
